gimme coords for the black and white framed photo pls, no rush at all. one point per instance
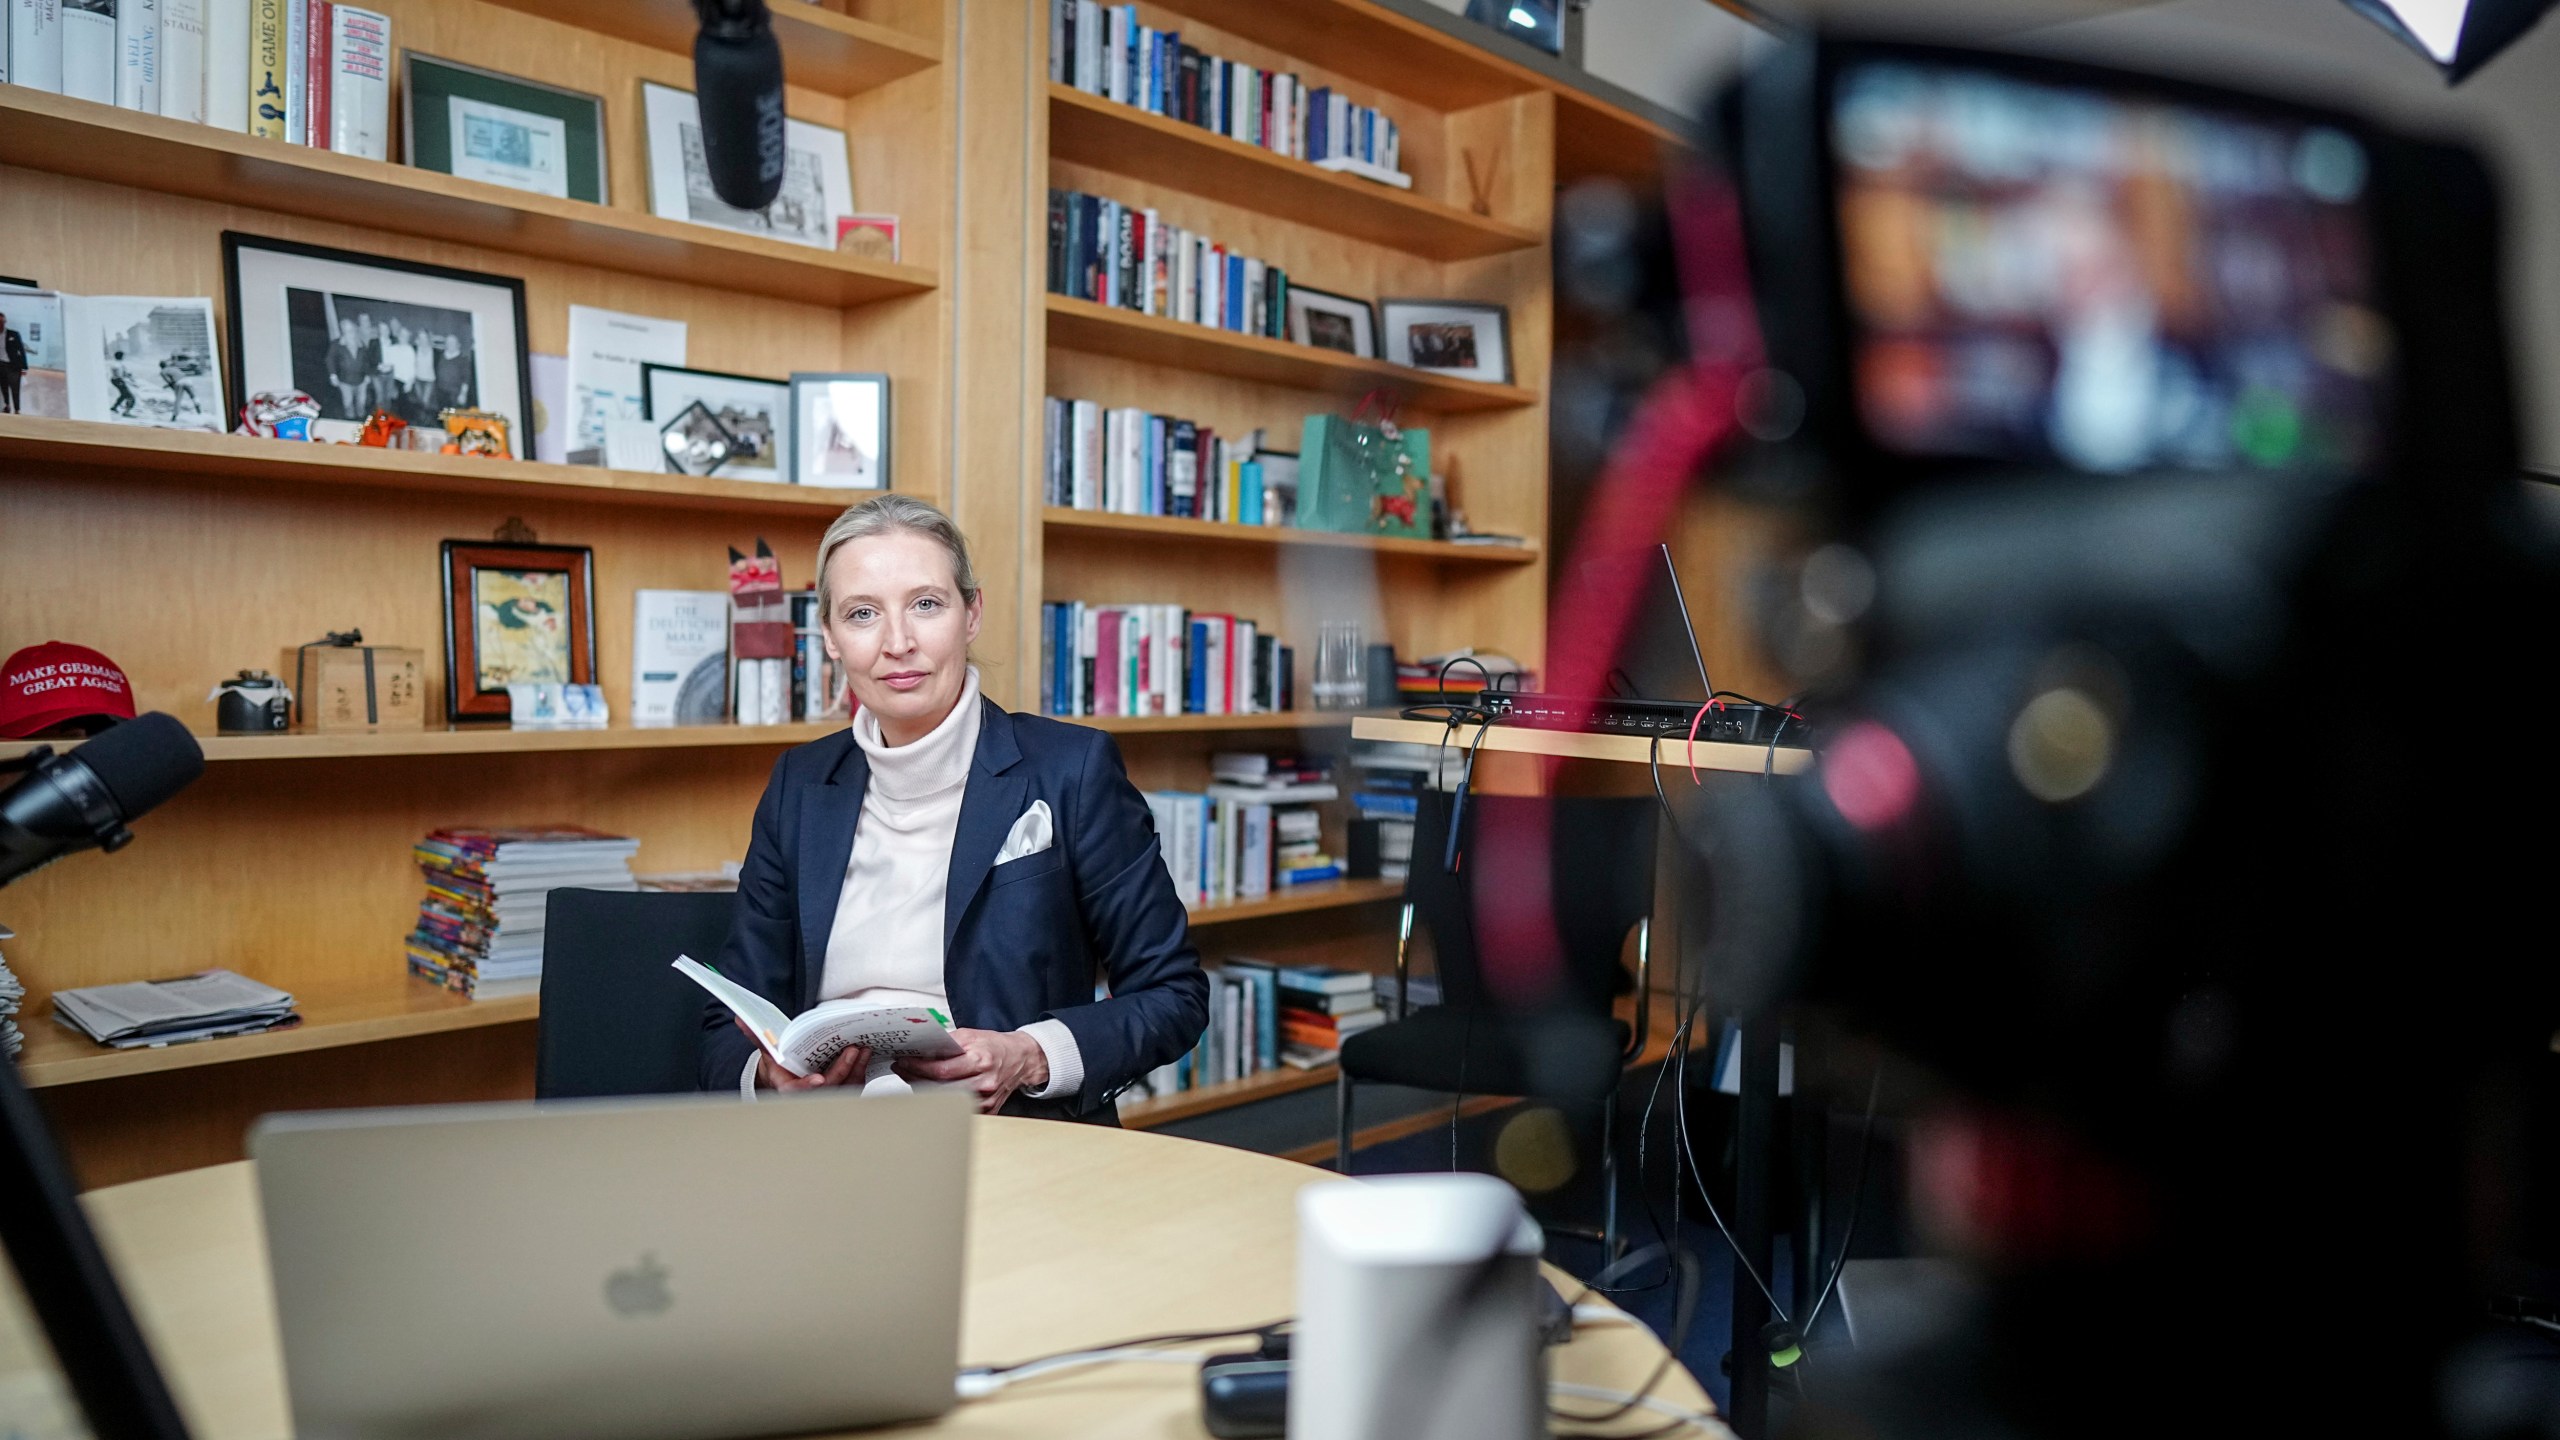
(1331, 322)
(1450, 337)
(142, 360)
(361, 333)
(817, 178)
(840, 431)
(477, 124)
(755, 415)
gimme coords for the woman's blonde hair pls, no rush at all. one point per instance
(889, 514)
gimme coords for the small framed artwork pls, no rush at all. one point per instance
(754, 415)
(1332, 322)
(515, 615)
(139, 360)
(840, 431)
(477, 124)
(360, 333)
(695, 442)
(817, 178)
(873, 237)
(1450, 337)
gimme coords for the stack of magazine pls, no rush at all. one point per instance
(167, 1012)
(480, 926)
(12, 992)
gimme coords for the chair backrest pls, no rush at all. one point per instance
(617, 1018)
(1597, 882)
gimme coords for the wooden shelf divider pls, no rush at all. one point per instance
(1330, 895)
(821, 49)
(1170, 527)
(393, 1008)
(89, 141)
(41, 442)
(1262, 1085)
(1126, 140)
(1156, 340)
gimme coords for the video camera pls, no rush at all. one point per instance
(2159, 449)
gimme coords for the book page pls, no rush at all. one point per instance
(902, 1031)
(761, 1015)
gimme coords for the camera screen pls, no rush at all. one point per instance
(2054, 274)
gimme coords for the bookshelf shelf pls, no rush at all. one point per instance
(1164, 1110)
(1373, 45)
(1155, 340)
(1201, 724)
(826, 51)
(1126, 140)
(35, 441)
(393, 1009)
(89, 141)
(441, 740)
(1332, 895)
(1103, 523)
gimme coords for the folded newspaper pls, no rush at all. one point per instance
(167, 1012)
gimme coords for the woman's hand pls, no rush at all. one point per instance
(995, 1063)
(846, 1069)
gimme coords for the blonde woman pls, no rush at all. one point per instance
(944, 851)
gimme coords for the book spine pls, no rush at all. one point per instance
(226, 64)
(315, 75)
(359, 91)
(89, 53)
(182, 74)
(138, 55)
(1059, 11)
(297, 70)
(35, 44)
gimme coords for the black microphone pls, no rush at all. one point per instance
(87, 797)
(737, 85)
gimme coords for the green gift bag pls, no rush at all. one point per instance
(1364, 476)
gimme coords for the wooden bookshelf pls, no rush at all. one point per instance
(1156, 340)
(1103, 523)
(37, 443)
(89, 141)
(396, 1008)
(1264, 1085)
(1126, 140)
(821, 49)
(1372, 45)
(1330, 895)
(481, 740)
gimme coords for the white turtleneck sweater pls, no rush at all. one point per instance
(886, 945)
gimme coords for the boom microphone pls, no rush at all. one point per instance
(87, 797)
(737, 84)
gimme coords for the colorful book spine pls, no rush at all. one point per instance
(270, 30)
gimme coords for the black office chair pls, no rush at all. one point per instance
(1570, 1046)
(617, 1018)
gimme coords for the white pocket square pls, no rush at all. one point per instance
(1031, 834)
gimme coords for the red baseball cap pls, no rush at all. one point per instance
(55, 686)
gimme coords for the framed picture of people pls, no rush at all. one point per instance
(365, 333)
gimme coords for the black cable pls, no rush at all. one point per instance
(1263, 1331)
(1857, 1194)
(1687, 1307)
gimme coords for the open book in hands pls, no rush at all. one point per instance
(804, 1045)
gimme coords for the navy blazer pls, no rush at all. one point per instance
(1020, 942)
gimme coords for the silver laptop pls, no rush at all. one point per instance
(681, 1267)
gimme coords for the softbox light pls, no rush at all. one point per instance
(2459, 35)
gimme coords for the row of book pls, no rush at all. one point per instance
(1106, 252)
(1103, 50)
(480, 927)
(683, 673)
(1129, 461)
(1253, 831)
(1159, 660)
(1264, 1016)
(307, 72)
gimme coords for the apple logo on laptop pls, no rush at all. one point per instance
(640, 1290)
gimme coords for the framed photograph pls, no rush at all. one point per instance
(695, 441)
(1450, 337)
(817, 179)
(477, 124)
(1332, 322)
(142, 360)
(34, 371)
(754, 414)
(840, 431)
(360, 333)
(515, 615)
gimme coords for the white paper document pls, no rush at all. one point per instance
(606, 351)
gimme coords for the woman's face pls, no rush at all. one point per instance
(897, 626)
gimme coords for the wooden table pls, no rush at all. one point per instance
(1676, 754)
(1078, 1235)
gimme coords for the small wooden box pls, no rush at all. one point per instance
(358, 687)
